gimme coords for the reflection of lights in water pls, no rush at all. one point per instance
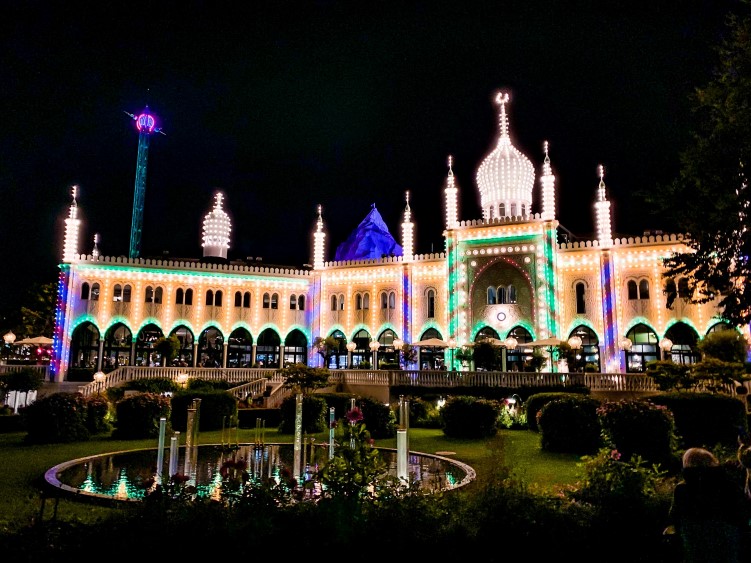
(132, 475)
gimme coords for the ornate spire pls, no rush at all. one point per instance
(318, 241)
(452, 197)
(408, 246)
(602, 213)
(502, 99)
(95, 250)
(548, 187)
(72, 229)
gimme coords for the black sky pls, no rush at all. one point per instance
(287, 105)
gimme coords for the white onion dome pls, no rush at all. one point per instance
(216, 230)
(506, 177)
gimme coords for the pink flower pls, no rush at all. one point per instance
(615, 455)
(354, 416)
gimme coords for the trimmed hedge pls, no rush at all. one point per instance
(534, 404)
(570, 425)
(470, 417)
(138, 416)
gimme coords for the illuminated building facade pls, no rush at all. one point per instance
(503, 276)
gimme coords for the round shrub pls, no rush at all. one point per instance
(137, 416)
(639, 427)
(378, 418)
(59, 417)
(98, 416)
(570, 425)
(470, 417)
(535, 402)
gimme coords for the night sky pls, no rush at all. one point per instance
(287, 105)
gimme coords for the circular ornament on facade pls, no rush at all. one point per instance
(501, 316)
(527, 259)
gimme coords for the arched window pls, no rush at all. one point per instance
(366, 301)
(341, 302)
(633, 293)
(670, 290)
(246, 300)
(502, 298)
(274, 300)
(644, 289)
(581, 307)
(117, 293)
(512, 293)
(158, 293)
(502, 210)
(513, 210)
(266, 301)
(149, 297)
(301, 302)
(333, 303)
(209, 298)
(179, 296)
(492, 213)
(384, 300)
(218, 298)
(238, 299)
(491, 296)
(85, 291)
(524, 209)
(431, 304)
(95, 291)
(188, 296)
(358, 302)
(126, 293)
(643, 348)
(392, 300)
(683, 288)
(292, 302)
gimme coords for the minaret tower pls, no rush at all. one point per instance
(146, 126)
(72, 229)
(548, 187)
(318, 242)
(602, 212)
(452, 198)
(408, 229)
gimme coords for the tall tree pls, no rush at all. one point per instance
(38, 312)
(709, 200)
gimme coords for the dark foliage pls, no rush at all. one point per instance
(470, 417)
(570, 425)
(217, 409)
(59, 417)
(138, 416)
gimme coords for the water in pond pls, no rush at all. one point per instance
(128, 476)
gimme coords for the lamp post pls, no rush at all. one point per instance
(374, 345)
(576, 344)
(625, 344)
(666, 345)
(398, 343)
(452, 347)
(351, 347)
(182, 379)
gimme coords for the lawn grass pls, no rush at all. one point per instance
(22, 466)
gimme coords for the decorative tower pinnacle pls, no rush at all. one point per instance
(452, 197)
(319, 238)
(216, 230)
(506, 177)
(408, 245)
(602, 213)
(548, 187)
(72, 229)
(95, 250)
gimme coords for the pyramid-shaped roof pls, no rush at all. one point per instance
(371, 239)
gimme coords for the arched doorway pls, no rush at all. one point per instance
(184, 356)
(145, 353)
(362, 351)
(431, 357)
(295, 348)
(338, 360)
(643, 348)
(684, 339)
(589, 353)
(117, 345)
(240, 349)
(84, 347)
(267, 350)
(386, 353)
(517, 357)
(211, 348)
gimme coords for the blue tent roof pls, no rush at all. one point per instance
(371, 239)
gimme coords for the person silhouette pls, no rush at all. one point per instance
(709, 510)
